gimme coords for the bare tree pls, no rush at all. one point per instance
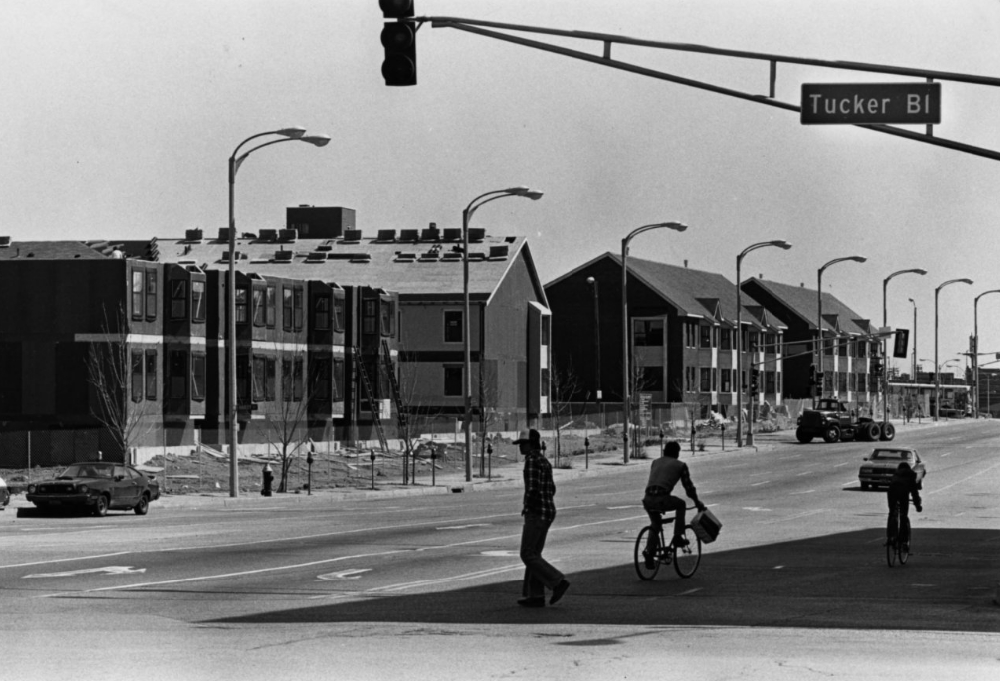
(565, 384)
(115, 371)
(490, 396)
(288, 423)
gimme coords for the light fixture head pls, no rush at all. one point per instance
(294, 131)
(316, 140)
(591, 281)
(781, 243)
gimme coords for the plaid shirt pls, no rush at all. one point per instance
(539, 488)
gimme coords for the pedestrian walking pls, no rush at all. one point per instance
(539, 511)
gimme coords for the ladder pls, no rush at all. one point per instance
(376, 421)
(397, 397)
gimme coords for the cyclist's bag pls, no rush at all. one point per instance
(706, 526)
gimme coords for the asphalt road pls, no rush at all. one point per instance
(426, 586)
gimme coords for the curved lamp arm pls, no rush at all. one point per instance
(315, 140)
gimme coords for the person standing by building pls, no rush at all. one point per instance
(539, 511)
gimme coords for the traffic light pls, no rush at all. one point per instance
(399, 39)
(812, 374)
(754, 381)
(877, 368)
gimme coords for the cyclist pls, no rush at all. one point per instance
(902, 486)
(664, 474)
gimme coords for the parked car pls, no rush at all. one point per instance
(883, 462)
(4, 495)
(96, 486)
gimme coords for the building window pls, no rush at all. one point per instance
(198, 376)
(322, 376)
(651, 379)
(769, 385)
(828, 381)
(753, 339)
(178, 374)
(178, 299)
(272, 301)
(259, 378)
(860, 348)
(151, 372)
(298, 302)
(689, 378)
(452, 326)
(368, 317)
(647, 332)
(726, 378)
(243, 380)
(862, 383)
(545, 382)
(321, 313)
(386, 316)
(270, 394)
(137, 376)
(842, 348)
(453, 381)
(197, 301)
(690, 335)
(286, 307)
(338, 313)
(842, 381)
(726, 339)
(286, 380)
(706, 380)
(150, 294)
(241, 305)
(259, 306)
(338, 380)
(546, 329)
(137, 294)
(706, 336)
(297, 379)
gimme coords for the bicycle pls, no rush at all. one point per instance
(897, 545)
(685, 559)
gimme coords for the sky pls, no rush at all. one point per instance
(118, 119)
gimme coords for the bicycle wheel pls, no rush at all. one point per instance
(890, 552)
(904, 543)
(687, 559)
(644, 572)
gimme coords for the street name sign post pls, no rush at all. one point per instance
(870, 103)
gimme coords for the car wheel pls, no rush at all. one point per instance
(802, 436)
(101, 506)
(872, 431)
(831, 434)
(888, 432)
(142, 508)
(864, 485)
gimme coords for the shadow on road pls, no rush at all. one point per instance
(835, 581)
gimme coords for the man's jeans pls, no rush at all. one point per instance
(538, 572)
(654, 505)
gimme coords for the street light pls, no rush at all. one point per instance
(937, 374)
(914, 370)
(739, 336)
(885, 354)
(467, 369)
(975, 347)
(677, 227)
(293, 134)
(597, 342)
(818, 386)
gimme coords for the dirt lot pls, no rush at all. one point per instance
(206, 473)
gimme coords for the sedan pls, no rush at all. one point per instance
(96, 486)
(883, 462)
(4, 495)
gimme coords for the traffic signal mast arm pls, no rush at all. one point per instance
(482, 28)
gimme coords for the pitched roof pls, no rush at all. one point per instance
(50, 250)
(698, 293)
(801, 301)
(429, 269)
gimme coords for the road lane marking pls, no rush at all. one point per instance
(779, 567)
(808, 491)
(345, 574)
(65, 560)
(758, 484)
(109, 570)
(455, 578)
(619, 508)
(974, 475)
(690, 591)
(500, 554)
(838, 465)
(463, 527)
(756, 509)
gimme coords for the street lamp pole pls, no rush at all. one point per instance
(818, 386)
(885, 354)
(466, 342)
(739, 336)
(293, 134)
(937, 374)
(626, 377)
(975, 347)
(597, 342)
(913, 374)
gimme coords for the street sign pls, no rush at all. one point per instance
(872, 103)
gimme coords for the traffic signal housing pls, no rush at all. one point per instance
(877, 368)
(399, 38)
(754, 381)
